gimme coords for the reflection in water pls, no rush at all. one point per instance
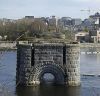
(48, 91)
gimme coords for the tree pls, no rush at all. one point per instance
(68, 35)
(38, 27)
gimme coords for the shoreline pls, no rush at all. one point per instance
(7, 49)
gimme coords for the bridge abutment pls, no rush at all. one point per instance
(36, 59)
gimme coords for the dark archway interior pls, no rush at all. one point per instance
(51, 76)
(48, 78)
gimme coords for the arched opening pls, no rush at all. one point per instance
(48, 74)
(51, 74)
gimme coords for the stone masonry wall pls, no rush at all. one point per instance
(73, 65)
(48, 53)
(34, 60)
(24, 55)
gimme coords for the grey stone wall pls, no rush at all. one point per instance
(73, 65)
(48, 53)
(34, 60)
(24, 56)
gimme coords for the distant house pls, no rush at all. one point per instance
(76, 22)
(29, 17)
(94, 33)
(82, 37)
(94, 36)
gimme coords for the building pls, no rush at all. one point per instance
(94, 35)
(52, 23)
(66, 21)
(96, 19)
(76, 22)
(82, 37)
(29, 17)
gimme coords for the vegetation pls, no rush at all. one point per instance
(86, 29)
(27, 28)
(68, 34)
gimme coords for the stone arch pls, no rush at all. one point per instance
(56, 70)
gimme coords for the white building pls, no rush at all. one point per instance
(82, 37)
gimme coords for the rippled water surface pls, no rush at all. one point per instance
(90, 85)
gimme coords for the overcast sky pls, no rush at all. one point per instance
(69, 8)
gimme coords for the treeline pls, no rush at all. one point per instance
(26, 28)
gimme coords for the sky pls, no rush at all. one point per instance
(14, 9)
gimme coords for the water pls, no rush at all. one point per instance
(90, 85)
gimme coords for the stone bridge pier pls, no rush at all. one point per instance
(39, 63)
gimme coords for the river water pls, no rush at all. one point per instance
(90, 85)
